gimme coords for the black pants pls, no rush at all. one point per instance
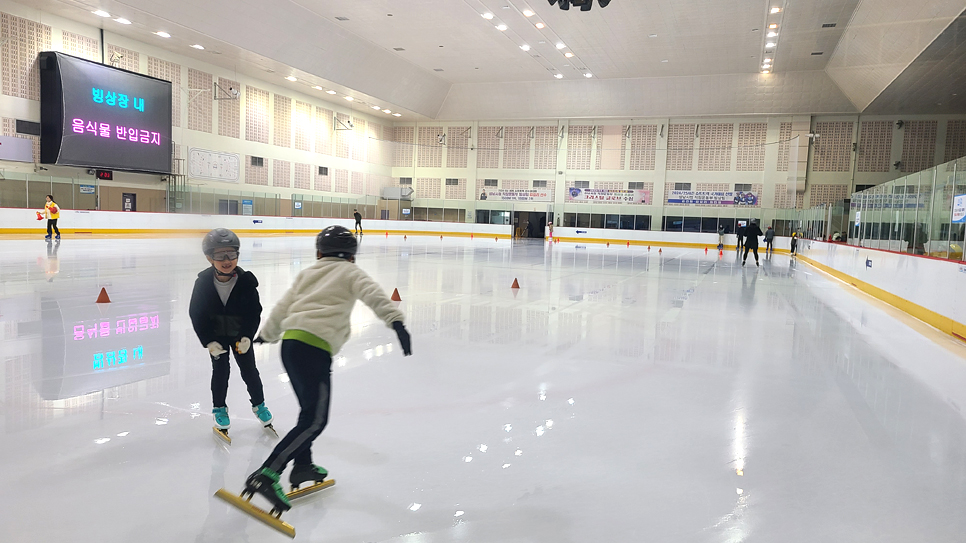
(740, 243)
(747, 248)
(359, 226)
(309, 370)
(221, 368)
(52, 224)
(769, 246)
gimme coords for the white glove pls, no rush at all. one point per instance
(243, 345)
(216, 349)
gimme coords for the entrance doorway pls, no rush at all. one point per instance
(530, 224)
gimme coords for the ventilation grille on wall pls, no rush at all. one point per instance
(635, 185)
(817, 53)
(829, 25)
(342, 18)
(682, 186)
(490, 183)
(582, 184)
(405, 180)
(323, 170)
(539, 184)
(452, 182)
(742, 187)
(398, 49)
(258, 161)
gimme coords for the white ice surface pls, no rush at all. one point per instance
(614, 398)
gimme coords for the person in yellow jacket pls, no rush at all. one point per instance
(52, 210)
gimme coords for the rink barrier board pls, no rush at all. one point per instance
(928, 316)
(656, 244)
(154, 232)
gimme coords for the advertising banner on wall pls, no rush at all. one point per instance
(509, 195)
(713, 198)
(959, 208)
(609, 196)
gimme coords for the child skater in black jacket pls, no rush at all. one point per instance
(225, 312)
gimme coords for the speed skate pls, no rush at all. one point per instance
(273, 518)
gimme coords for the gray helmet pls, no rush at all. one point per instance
(336, 241)
(218, 238)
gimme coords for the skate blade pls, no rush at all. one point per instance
(247, 507)
(301, 492)
(222, 434)
(271, 429)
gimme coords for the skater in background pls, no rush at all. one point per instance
(740, 232)
(794, 243)
(550, 229)
(769, 241)
(312, 321)
(752, 233)
(358, 218)
(52, 211)
(721, 236)
(225, 312)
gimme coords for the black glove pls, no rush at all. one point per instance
(403, 336)
(258, 340)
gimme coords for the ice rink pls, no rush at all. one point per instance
(620, 395)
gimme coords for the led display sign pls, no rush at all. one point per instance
(99, 116)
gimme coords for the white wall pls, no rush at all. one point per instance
(936, 285)
(25, 221)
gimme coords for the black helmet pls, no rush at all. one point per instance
(336, 241)
(218, 238)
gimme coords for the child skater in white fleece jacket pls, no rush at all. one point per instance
(312, 320)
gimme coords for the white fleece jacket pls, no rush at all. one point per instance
(321, 300)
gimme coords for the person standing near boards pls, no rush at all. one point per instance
(740, 232)
(752, 233)
(769, 241)
(358, 218)
(52, 211)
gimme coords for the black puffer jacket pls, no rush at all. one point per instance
(214, 321)
(752, 233)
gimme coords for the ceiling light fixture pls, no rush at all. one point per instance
(397, 114)
(568, 54)
(101, 13)
(292, 78)
(349, 98)
(386, 111)
(558, 76)
(766, 71)
(767, 60)
(318, 88)
(163, 34)
(770, 44)
(525, 47)
(122, 20)
(376, 107)
(501, 27)
(588, 75)
(773, 26)
(561, 45)
(652, 35)
(540, 25)
(487, 16)
(664, 60)
(198, 47)
(527, 13)
(771, 34)
(330, 92)
(776, 10)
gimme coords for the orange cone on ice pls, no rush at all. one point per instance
(628, 245)
(103, 298)
(395, 295)
(659, 250)
(608, 244)
(648, 248)
(516, 284)
(705, 250)
(405, 238)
